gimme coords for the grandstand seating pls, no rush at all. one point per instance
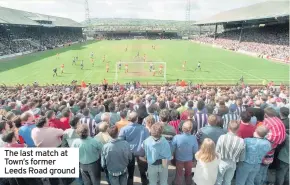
(24, 31)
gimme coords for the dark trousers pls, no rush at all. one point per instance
(91, 173)
(282, 173)
(22, 181)
(143, 166)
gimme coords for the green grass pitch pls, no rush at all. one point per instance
(218, 66)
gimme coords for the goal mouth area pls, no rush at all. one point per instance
(144, 71)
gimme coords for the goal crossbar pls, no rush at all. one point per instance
(148, 62)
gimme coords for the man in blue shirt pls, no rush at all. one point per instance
(158, 153)
(256, 149)
(116, 156)
(135, 134)
(25, 130)
(184, 148)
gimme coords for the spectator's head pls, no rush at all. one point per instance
(200, 105)
(174, 114)
(4, 127)
(83, 131)
(261, 131)
(86, 112)
(152, 108)
(27, 117)
(246, 117)
(183, 102)
(206, 152)
(156, 130)
(257, 103)
(9, 137)
(123, 114)
(232, 108)
(210, 109)
(162, 105)
(103, 126)
(234, 126)
(101, 108)
(113, 132)
(50, 114)
(112, 107)
(164, 115)
(149, 121)
(212, 120)
(187, 127)
(105, 117)
(284, 112)
(270, 112)
(66, 112)
(190, 104)
(133, 117)
(41, 122)
(17, 122)
(9, 116)
(74, 122)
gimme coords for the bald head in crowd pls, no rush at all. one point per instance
(212, 120)
(187, 127)
(133, 117)
(105, 117)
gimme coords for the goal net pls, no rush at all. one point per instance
(150, 71)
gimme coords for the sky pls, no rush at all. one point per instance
(143, 9)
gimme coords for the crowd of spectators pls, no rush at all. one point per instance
(218, 131)
(270, 41)
(16, 39)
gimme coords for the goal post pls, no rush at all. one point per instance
(141, 71)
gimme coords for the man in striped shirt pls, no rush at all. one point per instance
(89, 122)
(200, 116)
(230, 116)
(232, 150)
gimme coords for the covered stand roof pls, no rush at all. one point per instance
(264, 10)
(12, 16)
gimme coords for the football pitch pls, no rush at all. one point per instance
(218, 66)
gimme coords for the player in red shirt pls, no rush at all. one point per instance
(62, 68)
(160, 68)
(126, 68)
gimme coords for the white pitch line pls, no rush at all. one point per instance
(240, 70)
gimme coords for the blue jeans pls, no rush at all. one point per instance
(118, 180)
(226, 172)
(246, 173)
(261, 177)
(157, 173)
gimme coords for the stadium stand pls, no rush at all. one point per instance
(22, 31)
(261, 29)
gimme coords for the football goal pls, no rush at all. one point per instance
(140, 71)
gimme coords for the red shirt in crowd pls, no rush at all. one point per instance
(246, 130)
(55, 123)
(65, 123)
(175, 124)
(15, 145)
